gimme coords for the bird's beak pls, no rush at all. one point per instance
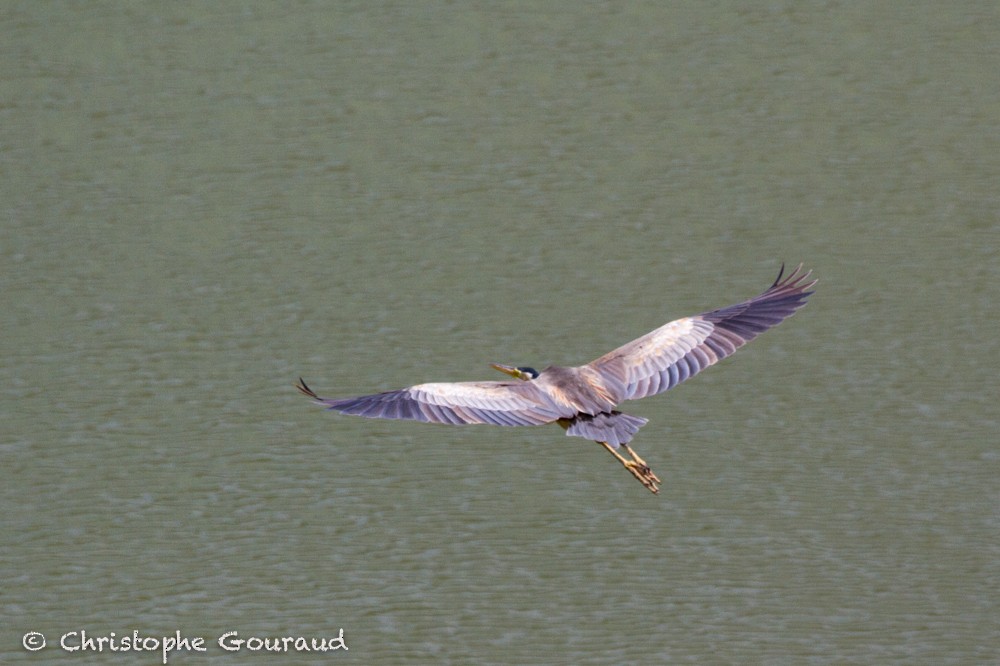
(506, 369)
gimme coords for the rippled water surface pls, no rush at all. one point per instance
(200, 203)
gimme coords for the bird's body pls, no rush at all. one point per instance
(583, 399)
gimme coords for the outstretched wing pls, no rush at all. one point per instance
(681, 349)
(457, 403)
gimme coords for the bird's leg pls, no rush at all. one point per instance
(639, 469)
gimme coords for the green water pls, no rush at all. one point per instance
(201, 202)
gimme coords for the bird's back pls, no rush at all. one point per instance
(578, 388)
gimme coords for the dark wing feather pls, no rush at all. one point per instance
(457, 403)
(682, 348)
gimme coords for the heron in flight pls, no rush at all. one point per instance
(584, 399)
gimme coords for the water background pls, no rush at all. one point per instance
(201, 202)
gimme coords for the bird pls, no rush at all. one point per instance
(584, 399)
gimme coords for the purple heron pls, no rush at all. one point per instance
(583, 399)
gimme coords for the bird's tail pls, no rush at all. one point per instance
(614, 428)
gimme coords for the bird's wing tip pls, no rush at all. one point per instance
(305, 390)
(795, 278)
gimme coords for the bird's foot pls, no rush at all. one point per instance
(637, 467)
(646, 476)
(643, 475)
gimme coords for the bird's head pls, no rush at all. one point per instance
(522, 373)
